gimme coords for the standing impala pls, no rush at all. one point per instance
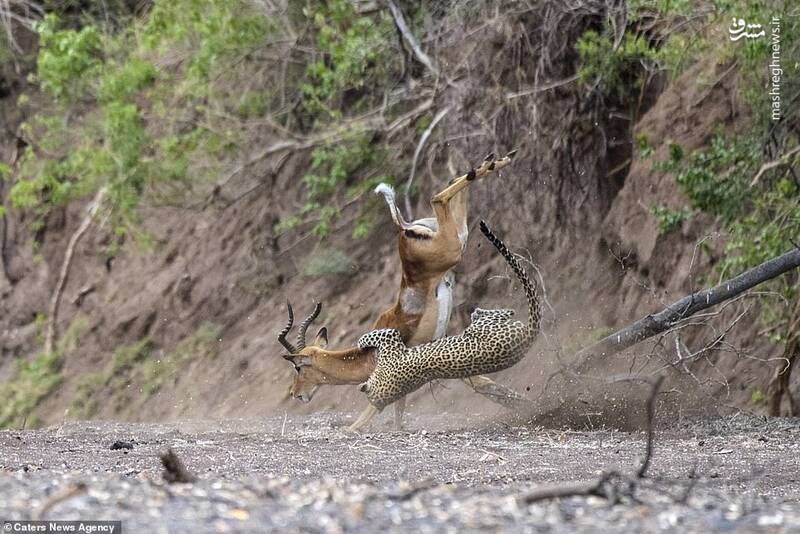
(429, 248)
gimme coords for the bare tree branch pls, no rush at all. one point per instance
(541, 88)
(423, 58)
(427, 133)
(52, 318)
(373, 120)
(783, 160)
(23, 12)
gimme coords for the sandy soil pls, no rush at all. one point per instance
(304, 473)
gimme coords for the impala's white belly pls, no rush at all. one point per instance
(463, 235)
(412, 301)
(444, 301)
(435, 308)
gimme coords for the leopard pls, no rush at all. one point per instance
(492, 342)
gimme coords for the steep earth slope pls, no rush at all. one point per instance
(199, 315)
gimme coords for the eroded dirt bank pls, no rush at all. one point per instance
(734, 474)
(209, 298)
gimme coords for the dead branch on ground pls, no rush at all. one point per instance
(684, 308)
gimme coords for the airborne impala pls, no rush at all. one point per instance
(429, 248)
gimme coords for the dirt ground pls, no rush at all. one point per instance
(304, 473)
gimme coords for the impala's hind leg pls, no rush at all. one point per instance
(490, 164)
(399, 409)
(503, 395)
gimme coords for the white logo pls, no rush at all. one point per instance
(739, 28)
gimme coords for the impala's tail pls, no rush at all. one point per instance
(535, 317)
(389, 195)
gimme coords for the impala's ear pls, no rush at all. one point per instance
(321, 340)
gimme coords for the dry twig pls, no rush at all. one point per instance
(612, 484)
(400, 22)
(427, 133)
(781, 161)
(174, 470)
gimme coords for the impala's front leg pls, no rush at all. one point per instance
(365, 417)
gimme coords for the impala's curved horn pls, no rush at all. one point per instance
(282, 335)
(301, 331)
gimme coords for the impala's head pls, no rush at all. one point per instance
(307, 378)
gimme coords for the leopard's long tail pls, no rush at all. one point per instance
(535, 317)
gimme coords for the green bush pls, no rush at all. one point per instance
(126, 358)
(327, 262)
(339, 168)
(616, 71)
(33, 382)
(36, 379)
(112, 121)
(760, 219)
(353, 52)
(716, 180)
(144, 368)
(68, 59)
(669, 219)
(204, 343)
